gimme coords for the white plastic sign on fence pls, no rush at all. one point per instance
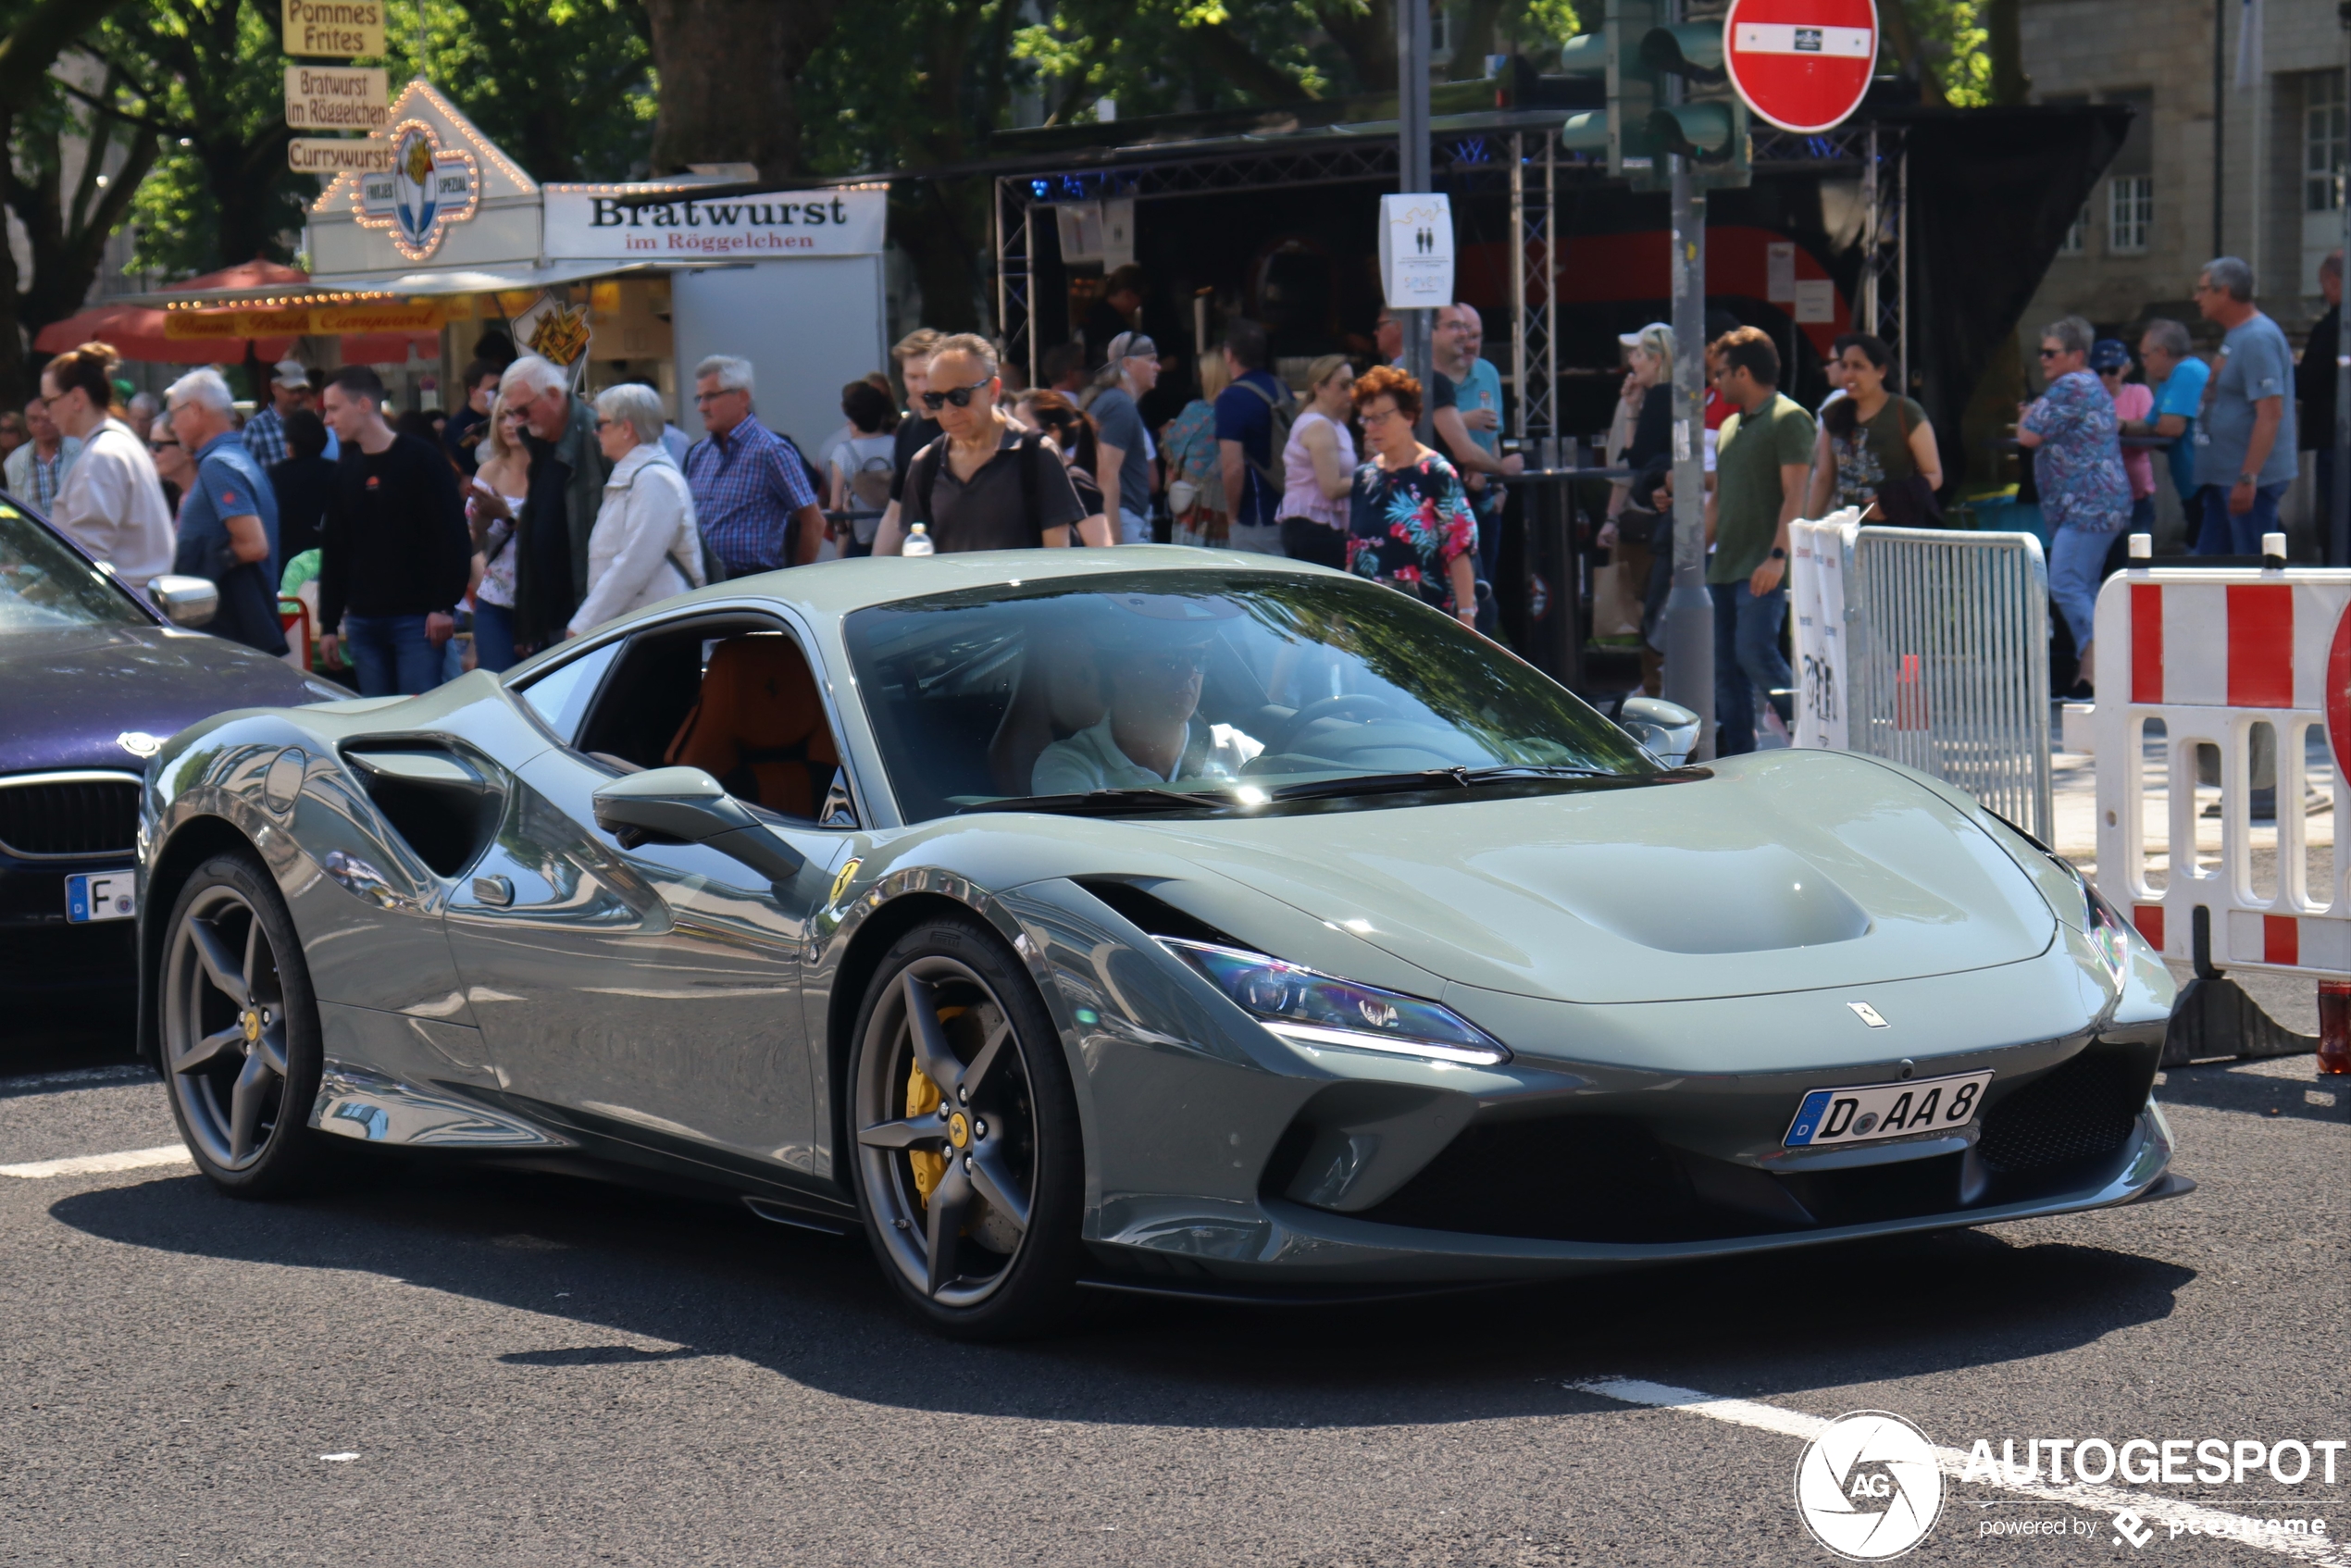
(1816, 592)
(2246, 663)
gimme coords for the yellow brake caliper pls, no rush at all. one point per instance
(923, 1099)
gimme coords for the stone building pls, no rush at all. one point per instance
(2278, 149)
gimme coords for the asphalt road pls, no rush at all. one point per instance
(515, 1369)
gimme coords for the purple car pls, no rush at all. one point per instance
(94, 679)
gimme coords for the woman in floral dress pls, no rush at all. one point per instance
(1409, 519)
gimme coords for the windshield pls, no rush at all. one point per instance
(1212, 688)
(44, 585)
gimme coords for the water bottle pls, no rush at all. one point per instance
(918, 542)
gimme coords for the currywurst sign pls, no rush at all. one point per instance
(616, 222)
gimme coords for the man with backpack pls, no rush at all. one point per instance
(1253, 418)
(986, 482)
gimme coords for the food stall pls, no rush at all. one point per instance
(449, 239)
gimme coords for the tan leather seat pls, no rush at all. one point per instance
(759, 726)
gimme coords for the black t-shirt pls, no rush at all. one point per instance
(999, 508)
(395, 541)
(913, 434)
(1090, 494)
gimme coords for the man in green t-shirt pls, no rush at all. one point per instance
(1762, 458)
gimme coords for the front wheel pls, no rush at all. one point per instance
(968, 1160)
(240, 1046)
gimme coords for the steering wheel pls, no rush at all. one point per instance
(1360, 703)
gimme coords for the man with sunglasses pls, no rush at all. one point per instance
(987, 483)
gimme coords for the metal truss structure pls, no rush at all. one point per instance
(1523, 159)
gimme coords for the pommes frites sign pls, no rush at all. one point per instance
(337, 28)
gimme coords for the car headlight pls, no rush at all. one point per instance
(2108, 932)
(1317, 1009)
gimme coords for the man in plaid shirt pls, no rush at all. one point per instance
(751, 495)
(265, 433)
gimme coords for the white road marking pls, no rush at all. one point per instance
(78, 1076)
(2096, 1498)
(92, 1165)
(338, 1458)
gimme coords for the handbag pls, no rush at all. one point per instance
(1908, 501)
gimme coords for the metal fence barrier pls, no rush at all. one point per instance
(1945, 658)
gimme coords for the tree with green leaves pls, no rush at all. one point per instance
(67, 214)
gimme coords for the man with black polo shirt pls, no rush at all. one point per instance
(987, 483)
(394, 552)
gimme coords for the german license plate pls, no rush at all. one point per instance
(101, 895)
(1870, 1112)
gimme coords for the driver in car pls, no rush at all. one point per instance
(1152, 734)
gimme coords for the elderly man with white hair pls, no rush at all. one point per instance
(567, 489)
(645, 546)
(229, 519)
(751, 487)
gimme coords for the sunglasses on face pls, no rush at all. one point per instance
(960, 396)
(2052, 354)
(161, 446)
(1185, 660)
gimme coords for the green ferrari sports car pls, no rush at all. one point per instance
(1141, 919)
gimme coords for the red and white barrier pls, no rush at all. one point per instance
(2215, 654)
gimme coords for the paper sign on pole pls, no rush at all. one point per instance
(1779, 273)
(337, 98)
(327, 156)
(338, 28)
(1416, 251)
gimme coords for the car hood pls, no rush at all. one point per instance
(1786, 871)
(66, 695)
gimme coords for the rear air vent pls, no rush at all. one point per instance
(441, 805)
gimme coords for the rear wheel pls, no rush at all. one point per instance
(968, 1160)
(240, 1046)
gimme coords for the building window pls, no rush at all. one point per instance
(2324, 134)
(2077, 237)
(2129, 213)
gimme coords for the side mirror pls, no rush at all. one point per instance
(1667, 730)
(185, 601)
(686, 805)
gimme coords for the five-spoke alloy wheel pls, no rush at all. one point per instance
(239, 1042)
(966, 1138)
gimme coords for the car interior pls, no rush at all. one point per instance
(738, 700)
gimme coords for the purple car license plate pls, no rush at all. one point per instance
(1866, 1114)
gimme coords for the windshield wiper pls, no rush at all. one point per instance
(1108, 803)
(1431, 778)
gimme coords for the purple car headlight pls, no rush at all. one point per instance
(1312, 1008)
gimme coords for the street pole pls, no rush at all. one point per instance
(2339, 490)
(1413, 173)
(1689, 609)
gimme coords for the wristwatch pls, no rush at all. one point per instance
(1778, 554)
(2253, 479)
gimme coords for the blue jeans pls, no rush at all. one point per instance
(392, 655)
(2077, 557)
(2227, 535)
(1746, 656)
(494, 635)
(1133, 529)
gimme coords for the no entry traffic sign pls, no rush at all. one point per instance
(1801, 64)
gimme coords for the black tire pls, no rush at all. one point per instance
(1005, 1129)
(239, 1045)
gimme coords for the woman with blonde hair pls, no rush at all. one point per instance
(1318, 467)
(1195, 474)
(493, 508)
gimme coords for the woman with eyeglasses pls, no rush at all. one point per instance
(1408, 521)
(493, 510)
(2077, 462)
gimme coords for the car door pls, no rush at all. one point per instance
(653, 990)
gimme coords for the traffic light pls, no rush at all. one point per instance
(1639, 51)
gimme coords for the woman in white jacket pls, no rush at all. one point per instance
(645, 546)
